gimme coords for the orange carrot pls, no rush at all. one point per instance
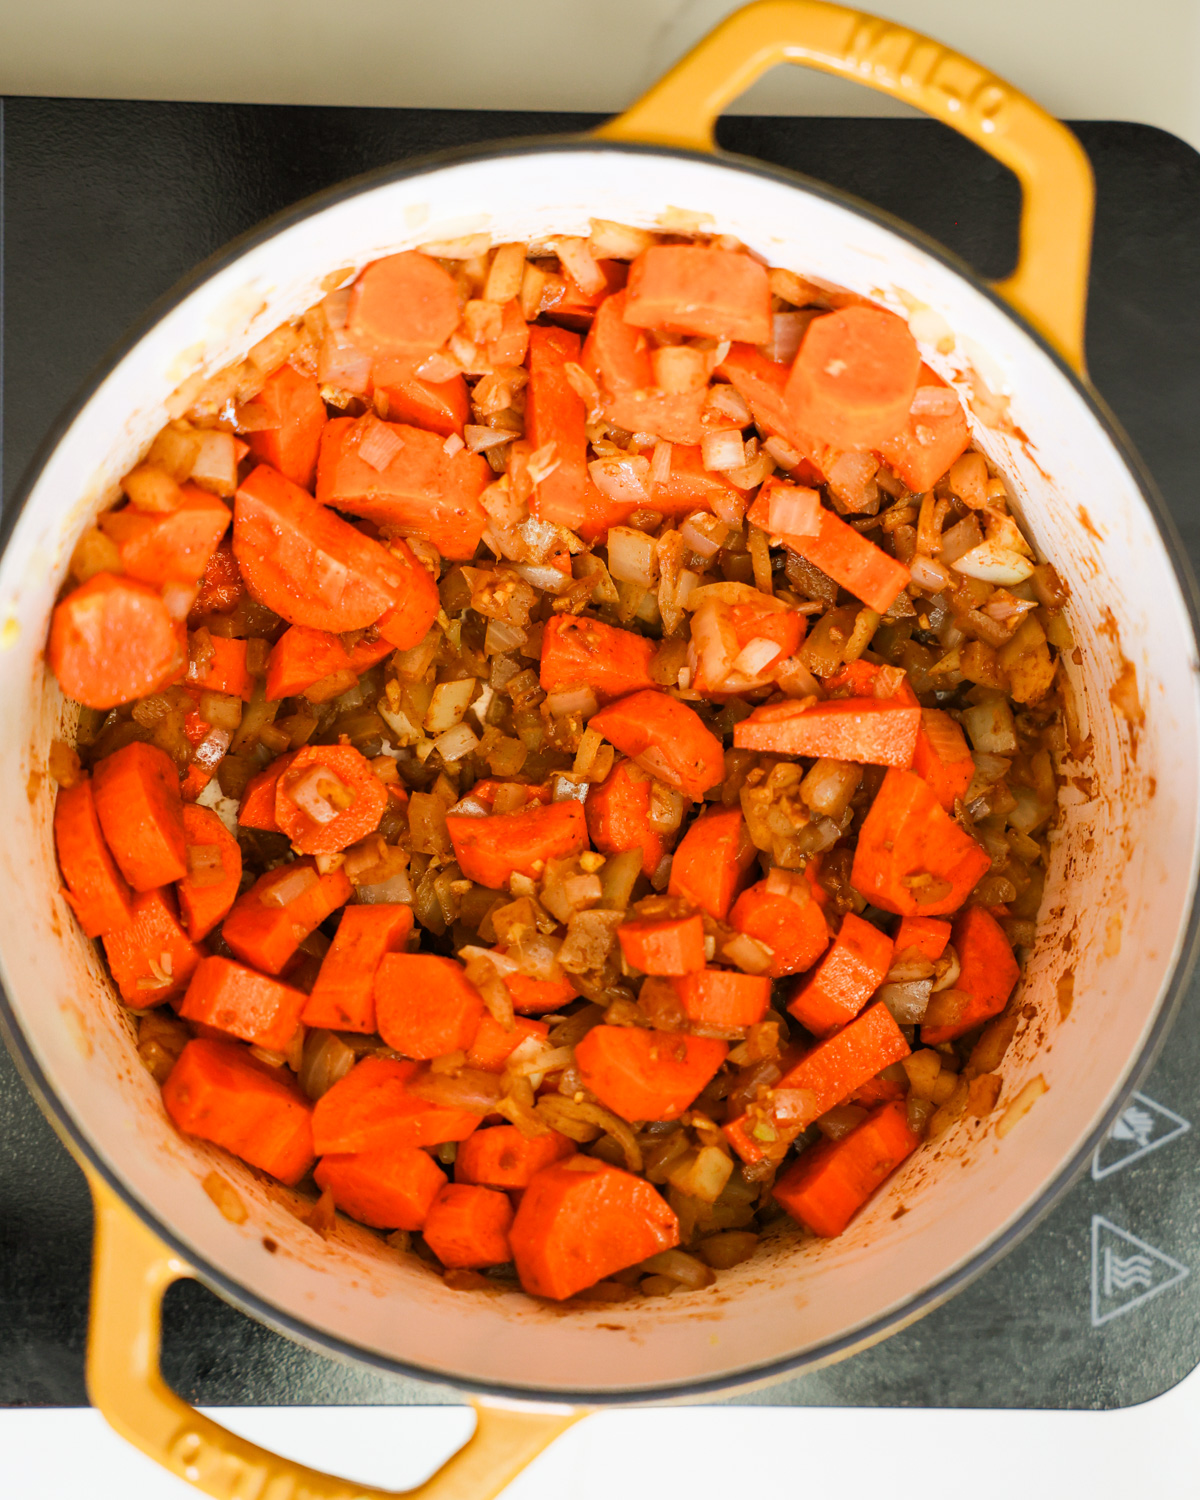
(852, 970)
(854, 378)
(700, 290)
(534, 997)
(912, 857)
(292, 404)
(219, 1092)
(861, 567)
(245, 1004)
(580, 1220)
(617, 356)
(941, 757)
(988, 973)
(257, 808)
(878, 1090)
(270, 921)
(713, 860)
(729, 628)
(225, 671)
(403, 306)
(214, 872)
(793, 926)
(301, 657)
(724, 998)
(578, 651)
(490, 850)
(370, 1109)
(872, 731)
(492, 1045)
(831, 1181)
(927, 935)
(175, 546)
(647, 1075)
(864, 679)
(328, 799)
(575, 307)
(666, 738)
(670, 946)
(425, 1006)
(485, 791)
(368, 653)
(511, 345)
(221, 587)
(422, 491)
(96, 890)
(141, 812)
(407, 623)
(934, 434)
(388, 1188)
(112, 640)
(343, 998)
(555, 414)
(151, 958)
(441, 406)
(690, 486)
(618, 812)
(468, 1226)
(761, 383)
(501, 1157)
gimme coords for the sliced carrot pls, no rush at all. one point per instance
(724, 998)
(930, 440)
(219, 1092)
(370, 1109)
(112, 640)
(151, 958)
(423, 491)
(96, 890)
(257, 808)
(501, 1157)
(875, 1091)
(175, 546)
(912, 857)
(441, 406)
(403, 306)
(141, 812)
(617, 356)
(264, 933)
(713, 860)
(854, 379)
(490, 850)
(222, 586)
(387, 1188)
(941, 757)
(861, 567)
(425, 1006)
(343, 997)
(306, 563)
(826, 1186)
(852, 970)
(761, 383)
(246, 1004)
(865, 679)
(328, 799)
(407, 623)
(697, 289)
(689, 486)
(485, 791)
(580, 1220)
(647, 1075)
(618, 816)
(225, 671)
(214, 872)
(666, 738)
(927, 935)
(368, 653)
(669, 946)
(492, 1045)
(612, 662)
(300, 657)
(536, 997)
(292, 403)
(511, 345)
(735, 626)
(468, 1226)
(575, 307)
(794, 929)
(988, 973)
(871, 731)
(555, 414)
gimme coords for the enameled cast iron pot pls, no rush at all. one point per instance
(1118, 930)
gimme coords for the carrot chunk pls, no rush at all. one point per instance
(721, 633)
(864, 679)
(556, 415)
(647, 1075)
(618, 816)
(403, 306)
(221, 587)
(713, 860)
(388, 1188)
(669, 946)
(792, 927)
(328, 799)
(300, 657)
(440, 406)
(761, 383)
(270, 921)
(912, 857)
(934, 434)
(700, 290)
(492, 1046)
(219, 1092)
(422, 491)
(854, 378)
(151, 958)
(244, 1003)
(370, 1109)
(724, 998)
(343, 997)
(501, 1157)
(872, 731)
(579, 651)
(425, 1006)
(407, 623)
(96, 890)
(306, 563)
(214, 872)
(988, 973)
(173, 547)
(112, 640)
(927, 935)
(689, 486)
(490, 850)
(485, 792)
(511, 345)
(666, 738)
(861, 567)
(852, 970)
(941, 757)
(292, 404)
(826, 1186)
(257, 808)
(141, 812)
(226, 670)
(468, 1226)
(534, 997)
(617, 356)
(580, 1220)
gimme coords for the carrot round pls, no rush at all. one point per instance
(292, 403)
(701, 290)
(112, 640)
(666, 738)
(328, 799)
(724, 998)
(492, 1045)
(577, 651)
(795, 930)
(501, 1157)
(670, 946)
(647, 1075)
(871, 731)
(403, 306)
(467, 1226)
(618, 816)
(269, 922)
(96, 890)
(173, 547)
(151, 958)
(370, 1109)
(853, 968)
(387, 1188)
(141, 813)
(343, 997)
(826, 1186)
(425, 1005)
(489, 850)
(246, 1004)
(712, 861)
(214, 872)
(854, 378)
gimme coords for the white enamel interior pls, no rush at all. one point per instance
(1117, 905)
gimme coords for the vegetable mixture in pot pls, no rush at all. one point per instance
(566, 757)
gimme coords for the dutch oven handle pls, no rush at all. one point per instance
(1049, 286)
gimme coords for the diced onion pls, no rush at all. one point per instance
(542, 576)
(379, 443)
(456, 742)
(576, 700)
(787, 334)
(992, 564)
(660, 462)
(727, 401)
(793, 510)
(439, 368)
(680, 1267)
(723, 450)
(343, 364)
(480, 439)
(179, 598)
(755, 657)
(747, 953)
(632, 556)
(784, 456)
(930, 575)
(215, 465)
(320, 794)
(581, 266)
(470, 1089)
(622, 480)
(448, 705)
(934, 401)
(907, 1000)
(395, 890)
(292, 884)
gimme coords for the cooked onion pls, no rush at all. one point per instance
(632, 556)
(723, 450)
(470, 1089)
(907, 1000)
(292, 883)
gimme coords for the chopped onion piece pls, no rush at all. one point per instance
(930, 575)
(320, 794)
(785, 457)
(576, 700)
(747, 953)
(907, 1000)
(215, 465)
(480, 439)
(934, 401)
(378, 443)
(787, 334)
(343, 364)
(456, 742)
(439, 368)
(723, 450)
(660, 462)
(992, 564)
(293, 881)
(448, 705)
(793, 510)
(632, 556)
(581, 266)
(755, 657)
(622, 480)
(179, 598)
(545, 577)
(727, 401)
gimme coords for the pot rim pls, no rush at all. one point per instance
(56, 1109)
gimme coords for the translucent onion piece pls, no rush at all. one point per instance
(723, 450)
(292, 883)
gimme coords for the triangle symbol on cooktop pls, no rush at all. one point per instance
(1126, 1271)
(1142, 1126)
